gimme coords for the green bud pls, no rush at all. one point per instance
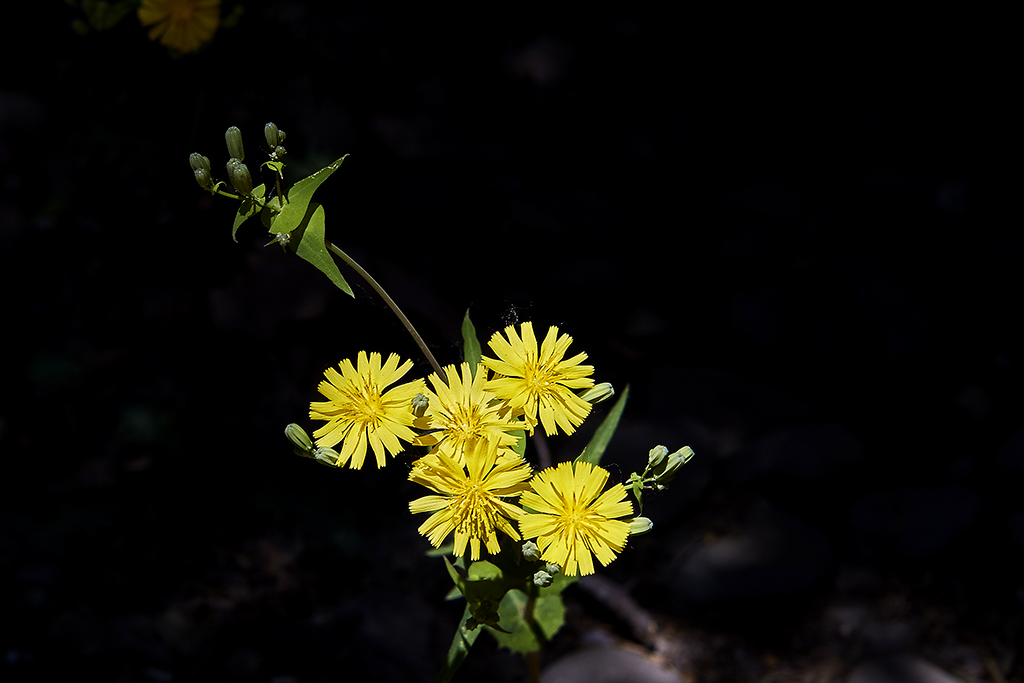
(326, 456)
(531, 551)
(672, 465)
(419, 405)
(598, 392)
(280, 136)
(298, 436)
(543, 579)
(279, 151)
(656, 457)
(239, 176)
(270, 132)
(203, 178)
(640, 525)
(552, 568)
(233, 137)
(197, 161)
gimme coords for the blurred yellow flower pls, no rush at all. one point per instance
(181, 24)
(570, 521)
(532, 381)
(461, 411)
(471, 496)
(359, 412)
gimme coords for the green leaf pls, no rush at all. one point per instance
(309, 243)
(599, 442)
(297, 200)
(276, 166)
(463, 640)
(548, 615)
(520, 446)
(247, 208)
(470, 344)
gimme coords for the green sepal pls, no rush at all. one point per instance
(599, 442)
(297, 201)
(308, 242)
(247, 208)
(463, 640)
(470, 345)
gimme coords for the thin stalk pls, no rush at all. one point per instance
(391, 304)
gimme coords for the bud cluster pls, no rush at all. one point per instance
(304, 446)
(238, 172)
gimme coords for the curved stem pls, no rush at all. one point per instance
(391, 304)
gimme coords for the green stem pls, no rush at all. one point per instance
(391, 304)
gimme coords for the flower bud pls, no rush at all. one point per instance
(239, 176)
(656, 457)
(198, 162)
(279, 151)
(598, 392)
(640, 525)
(203, 178)
(270, 132)
(298, 436)
(419, 405)
(543, 579)
(531, 551)
(326, 456)
(552, 568)
(280, 136)
(233, 137)
(673, 463)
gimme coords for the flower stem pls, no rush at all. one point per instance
(391, 304)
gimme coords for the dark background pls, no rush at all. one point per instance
(790, 231)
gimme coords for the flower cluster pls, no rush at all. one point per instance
(471, 421)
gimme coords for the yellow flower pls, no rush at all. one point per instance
(532, 382)
(471, 501)
(462, 410)
(570, 521)
(181, 24)
(359, 411)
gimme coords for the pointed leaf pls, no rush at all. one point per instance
(309, 243)
(470, 344)
(599, 442)
(298, 197)
(463, 640)
(247, 208)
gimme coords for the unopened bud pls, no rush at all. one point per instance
(279, 151)
(270, 132)
(657, 456)
(298, 436)
(203, 178)
(640, 525)
(419, 405)
(543, 579)
(197, 161)
(239, 176)
(326, 456)
(233, 137)
(531, 551)
(672, 464)
(552, 568)
(598, 392)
